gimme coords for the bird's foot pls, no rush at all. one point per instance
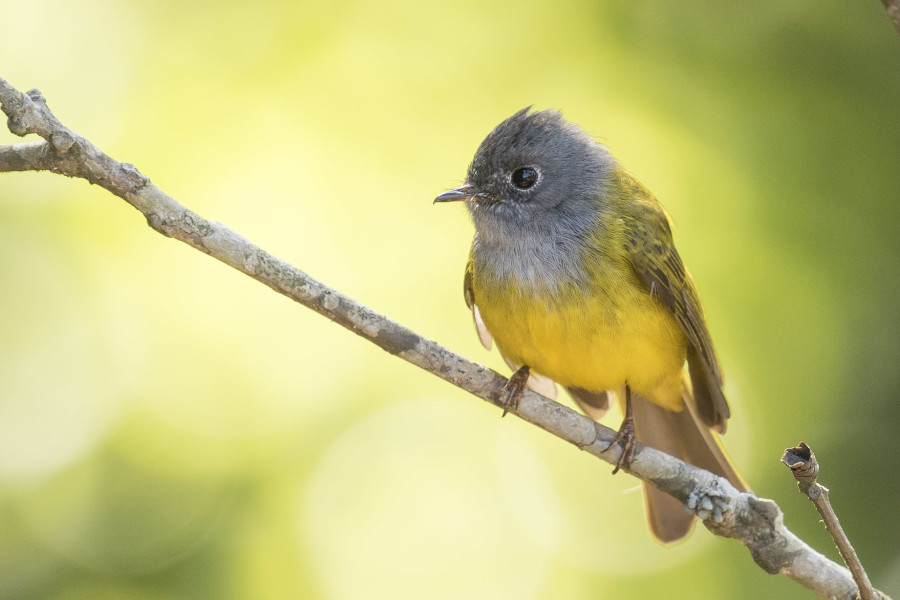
(511, 393)
(627, 436)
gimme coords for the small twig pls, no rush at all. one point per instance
(802, 461)
(756, 522)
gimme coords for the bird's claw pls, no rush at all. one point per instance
(627, 436)
(511, 393)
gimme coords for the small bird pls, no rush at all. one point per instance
(574, 275)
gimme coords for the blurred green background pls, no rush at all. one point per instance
(171, 429)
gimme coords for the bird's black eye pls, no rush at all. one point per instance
(524, 178)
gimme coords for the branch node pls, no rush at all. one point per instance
(138, 179)
(36, 95)
(17, 126)
(61, 141)
(13, 104)
(708, 503)
(156, 222)
(803, 464)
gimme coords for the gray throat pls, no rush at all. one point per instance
(540, 256)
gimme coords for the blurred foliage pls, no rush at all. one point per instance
(172, 430)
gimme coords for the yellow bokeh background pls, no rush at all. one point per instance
(171, 429)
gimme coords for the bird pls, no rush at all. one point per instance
(574, 275)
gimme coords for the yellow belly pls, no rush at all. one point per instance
(597, 339)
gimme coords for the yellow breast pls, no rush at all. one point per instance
(597, 338)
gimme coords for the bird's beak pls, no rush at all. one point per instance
(463, 193)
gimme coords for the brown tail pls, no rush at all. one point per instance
(683, 435)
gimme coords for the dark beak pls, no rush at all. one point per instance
(463, 193)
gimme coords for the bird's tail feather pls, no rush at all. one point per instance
(683, 435)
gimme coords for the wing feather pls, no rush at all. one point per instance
(657, 264)
(484, 336)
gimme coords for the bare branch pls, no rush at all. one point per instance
(756, 522)
(803, 464)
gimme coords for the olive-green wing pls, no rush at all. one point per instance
(658, 266)
(468, 290)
